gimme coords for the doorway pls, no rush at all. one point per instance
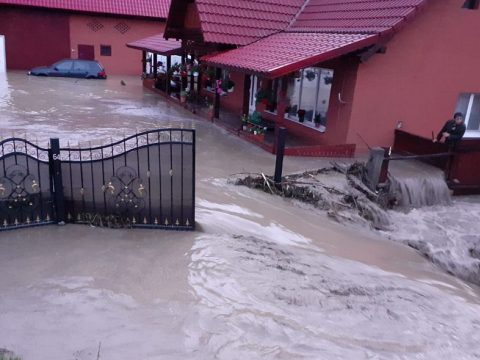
(86, 52)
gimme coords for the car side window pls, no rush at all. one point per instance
(64, 66)
(80, 66)
(94, 67)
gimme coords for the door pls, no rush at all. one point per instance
(86, 52)
(80, 69)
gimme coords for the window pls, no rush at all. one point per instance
(469, 105)
(64, 65)
(81, 66)
(471, 4)
(105, 50)
(308, 91)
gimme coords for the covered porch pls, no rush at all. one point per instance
(164, 65)
(301, 81)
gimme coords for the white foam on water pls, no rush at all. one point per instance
(448, 235)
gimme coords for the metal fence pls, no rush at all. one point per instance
(144, 180)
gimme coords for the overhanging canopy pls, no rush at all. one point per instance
(283, 53)
(158, 44)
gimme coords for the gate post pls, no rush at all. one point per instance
(280, 150)
(376, 168)
(56, 176)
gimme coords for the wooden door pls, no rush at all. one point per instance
(86, 52)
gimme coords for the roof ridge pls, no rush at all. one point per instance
(298, 13)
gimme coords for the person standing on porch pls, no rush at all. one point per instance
(453, 130)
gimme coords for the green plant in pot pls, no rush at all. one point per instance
(183, 96)
(230, 85)
(317, 120)
(310, 75)
(195, 70)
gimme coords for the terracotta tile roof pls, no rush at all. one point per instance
(318, 31)
(244, 21)
(358, 16)
(285, 52)
(157, 44)
(146, 8)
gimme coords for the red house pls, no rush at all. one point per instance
(338, 74)
(40, 32)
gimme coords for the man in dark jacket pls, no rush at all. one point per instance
(452, 131)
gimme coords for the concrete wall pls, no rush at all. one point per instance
(123, 60)
(34, 37)
(427, 65)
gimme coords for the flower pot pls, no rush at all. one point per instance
(231, 89)
(183, 99)
(301, 118)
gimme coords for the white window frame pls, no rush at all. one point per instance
(471, 133)
(309, 124)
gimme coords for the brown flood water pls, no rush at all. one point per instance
(261, 278)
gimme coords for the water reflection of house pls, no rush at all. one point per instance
(40, 32)
(394, 63)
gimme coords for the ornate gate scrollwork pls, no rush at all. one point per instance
(125, 191)
(18, 190)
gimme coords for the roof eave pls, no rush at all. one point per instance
(310, 61)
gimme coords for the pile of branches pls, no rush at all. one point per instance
(358, 198)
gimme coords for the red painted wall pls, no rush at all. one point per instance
(34, 37)
(233, 102)
(124, 60)
(428, 64)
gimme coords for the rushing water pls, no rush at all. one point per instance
(261, 278)
(416, 184)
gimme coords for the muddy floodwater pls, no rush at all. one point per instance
(261, 278)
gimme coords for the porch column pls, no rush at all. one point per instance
(144, 62)
(155, 65)
(169, 65)
(192, 79)
(246, 94)
(282, 99)
(281, 106)
(216, 103)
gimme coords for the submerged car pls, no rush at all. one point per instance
(88, 69)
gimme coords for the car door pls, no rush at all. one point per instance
(80, 69)
(61, 68)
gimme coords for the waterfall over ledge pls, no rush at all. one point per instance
(415, 184)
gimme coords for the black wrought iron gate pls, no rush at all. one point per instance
(145, 180)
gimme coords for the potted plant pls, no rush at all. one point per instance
(183, 70)
(230, 86)
(301, 115)
(183, 96)
(195, 70)
(211, 111)
(310, 75)
(244, 122)
(174, 69)
(317, 120)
